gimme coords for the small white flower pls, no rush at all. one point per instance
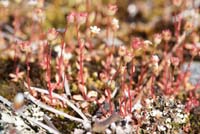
(132, 10)
(115, 23)
(95, 29)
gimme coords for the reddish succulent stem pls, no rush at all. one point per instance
(49, 73)
(129, 89)
(166, 77)
(80, 56)
(152, 85)
(165, 48)
(28, 72)
(81, 64)
(109, 100)
(143, 71)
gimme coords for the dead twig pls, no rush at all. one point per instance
(64, 99)
(51, 109)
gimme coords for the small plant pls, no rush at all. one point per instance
(111, 67)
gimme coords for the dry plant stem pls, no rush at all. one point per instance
(51, 109)
(66, 100)
(48, 122)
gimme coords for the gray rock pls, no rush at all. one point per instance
(195, 71)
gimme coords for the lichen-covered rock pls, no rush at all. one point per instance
(12, 122)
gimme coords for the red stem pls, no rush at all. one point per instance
(152, 84)
(49, 73)
(28, 72)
